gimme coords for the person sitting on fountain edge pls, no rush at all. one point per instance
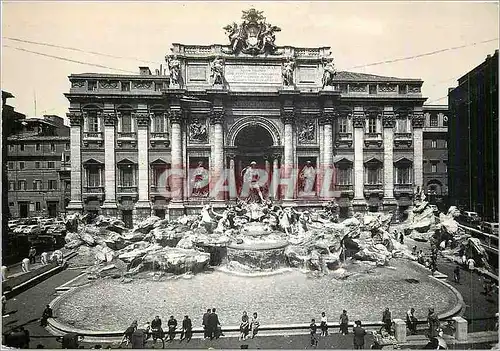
(156, 328)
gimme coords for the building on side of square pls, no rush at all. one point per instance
(218, 108)
(38, 165)
(436, 155)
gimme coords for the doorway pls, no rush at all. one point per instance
(52, 208)
(127, 218)
(23, 209)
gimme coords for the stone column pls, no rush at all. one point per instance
(268, 172)
(232, 179)
(273, 190)
(358, 120)
(287, 166)
(75, 205)
(319, 179)
(328, 117)
(109, 207)
(176, 152)
(216, 119)
(388, 136)
(418, 148)
(142, 208)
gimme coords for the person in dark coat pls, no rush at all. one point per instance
(359, 336)
(213, 323)
(172, 325)
(156, 330)
(205, 323)
(433, 322)
(187, 329)
(47, 313)
(456, 274)
(312, 329)
(387, 320)
(344, 322)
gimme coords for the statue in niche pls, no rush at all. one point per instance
(174, 66)
(329, 73)
(250, 176)
(307, 177)
(217, 71)
(287, 72)
(306, 132)
(198, 131)
(200, 180)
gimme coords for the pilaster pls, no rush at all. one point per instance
(216, 119)
(75, 204)
(388, 122)
(175, 115)
(288, 117)
(142, 207)
(327, 121)
(418, 147)
(109, 207)
(359, 202)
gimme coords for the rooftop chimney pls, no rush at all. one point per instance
(144, 71)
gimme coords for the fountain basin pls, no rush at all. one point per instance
(259, 255)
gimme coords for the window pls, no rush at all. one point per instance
(434, 167)
(127, 175)
(51, 164)
(38, 146)
(433, 121)
(92, 121)
(125, 86)
(402, 89)
(372, 88)
(38, 206)
(12, 185)
(343, 125)
(373, 175)
(37, 185)
(22, 147)
(158, 86)
(344, 176)
(21, 185)
(52, 147)
(93, 177)
(21, 165)
(160, 176)
(11, 165)
(67, 147)
(433, 144)
(52, 184)
(372, 125)
(92, 85)
(37, 164)
(126, 120)
(67, 158)
(403, 175)
(159, 123)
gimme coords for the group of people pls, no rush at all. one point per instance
(247, 325)
(155, 331)
(358, 331)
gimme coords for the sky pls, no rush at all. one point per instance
(359, 33)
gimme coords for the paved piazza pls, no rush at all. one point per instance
(290, 297)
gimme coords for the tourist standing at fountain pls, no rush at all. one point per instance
(156, 328)
(206, 333)
(254, 325)
(359, 336)
(324, 324)
(411, 321)
(344, 322)
(32, 255)
(456, 274)
(312, 329)
(47, 313)
(244, 326)
(187, 329)
(213, 323)
(172, 325)
(127, 336)
(433, 322)
(387, 320)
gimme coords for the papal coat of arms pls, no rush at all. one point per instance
(253, 36)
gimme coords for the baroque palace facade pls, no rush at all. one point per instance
(162, 143)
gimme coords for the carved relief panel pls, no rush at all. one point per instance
(198, 130)
(306, 131)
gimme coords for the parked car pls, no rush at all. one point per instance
(19, 229)
(469, 217)
(490, 228)
(33, 229)
(13, 223)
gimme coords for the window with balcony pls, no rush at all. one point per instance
(51, 164)
(52, 147)
(159, 123)
(372, 125)
(126, 175)
(403, 173)
(433, 121)
(373, 176)
(37, 185)
(126, 122)
(52, 184)
(38, 146)
(344, 175)
(21, 165)
(433, 144)
(92, 85)
(92, 121)
(93, 176)
(12, 185)
(125, 86)
(343, 125)
(22, 185)
(159, 172)
(10, 165)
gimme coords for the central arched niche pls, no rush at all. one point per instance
(253, 137)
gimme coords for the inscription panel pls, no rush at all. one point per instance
(235, 73)
(197, 73)
(307, 74)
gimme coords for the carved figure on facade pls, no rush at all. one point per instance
(198, 132)
(253, 36)
(306, 131)
(217, 71)
(251, 185)
(307, 178)
(287, 72)
(199, 181)
(174, 67)
(329, 73)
